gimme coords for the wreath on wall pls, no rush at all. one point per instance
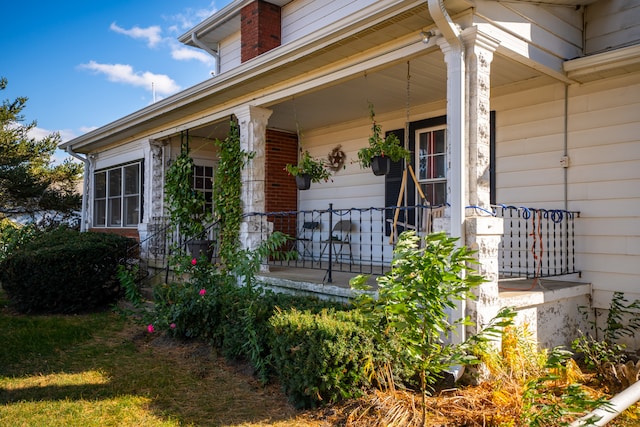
(336, 158)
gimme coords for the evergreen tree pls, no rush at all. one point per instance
(30, 185)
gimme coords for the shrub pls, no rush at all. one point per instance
(322, 357)
(64, 271)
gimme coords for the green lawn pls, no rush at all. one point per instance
(100, 370)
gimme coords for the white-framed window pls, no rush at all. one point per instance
(117, 196)
(431, 158)
(203, 182)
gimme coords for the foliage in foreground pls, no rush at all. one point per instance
(29, 184)
(64, 271)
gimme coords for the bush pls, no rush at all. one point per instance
(235, 319)
(64, 271)
(322, 357)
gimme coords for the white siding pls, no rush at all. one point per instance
(534, 30)
(603, 177)
(303, 17)
(611, 24)
(230, 53)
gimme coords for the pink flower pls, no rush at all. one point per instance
(150, 328)
(172, 326)
(194, 261)
(202, 292)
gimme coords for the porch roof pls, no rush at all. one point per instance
(323, 71)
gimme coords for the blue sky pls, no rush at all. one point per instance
(86, 63)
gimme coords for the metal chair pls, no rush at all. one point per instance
(339, 238)
(305, 237)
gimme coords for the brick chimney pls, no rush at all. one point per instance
(260, 28)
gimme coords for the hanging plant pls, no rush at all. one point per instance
(308, 170)
(379, 147)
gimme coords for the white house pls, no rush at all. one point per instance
(516, 103)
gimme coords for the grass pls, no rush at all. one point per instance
(103, 370)
(100, 370)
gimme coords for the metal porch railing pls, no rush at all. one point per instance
(537, 242)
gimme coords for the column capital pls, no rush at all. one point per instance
(248, 112)
(474, 38)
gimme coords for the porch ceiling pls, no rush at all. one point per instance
(346, 100)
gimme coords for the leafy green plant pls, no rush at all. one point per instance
(307, 165)
(64, 271)
(228, 191)
(388, 146)
(323, 357)
(549, 399)
(186, 205)
(413, 302)
(603, 355)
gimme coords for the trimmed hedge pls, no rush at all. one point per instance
(64, 271)
(321, 358)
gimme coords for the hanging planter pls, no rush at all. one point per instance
(303, 181)
(308, 170)
(388, 149)
(380, 165)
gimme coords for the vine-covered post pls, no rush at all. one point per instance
(252, 122)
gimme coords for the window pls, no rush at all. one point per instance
(117, 196)
(203, 182)
(432, 164)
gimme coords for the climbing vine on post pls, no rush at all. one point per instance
(227, 191)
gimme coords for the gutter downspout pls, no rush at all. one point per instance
(615, 407)
(215, 54)
(456, 127)
(85, 190)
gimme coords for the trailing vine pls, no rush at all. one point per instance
(186, 206)
(228, 189)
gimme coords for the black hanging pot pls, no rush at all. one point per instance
(380, 165)
(303, 181)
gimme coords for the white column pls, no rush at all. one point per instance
(484, 232)
(152, 204)
(480, 48)
(252, 122)
(456, 137)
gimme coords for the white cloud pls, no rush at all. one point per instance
(184, 53)
(190, 17)
(123, 73)
(150, 34)
(86, 129)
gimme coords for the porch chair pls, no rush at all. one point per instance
(339, 238)
(305, 238)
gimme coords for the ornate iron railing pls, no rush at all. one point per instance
(536, 242)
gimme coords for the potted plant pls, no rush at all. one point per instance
(187, 207)
(381, 151)
(308, 170)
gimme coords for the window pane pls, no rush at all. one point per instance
(99, 212)
(436, 193)
(115, 212)
(131, 210)
(115, 182)
(100, 185)
(132, 179)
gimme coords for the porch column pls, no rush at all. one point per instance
(252, 122)
(456, 135)
(152, 204)
(483, 232)
(479, 54)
